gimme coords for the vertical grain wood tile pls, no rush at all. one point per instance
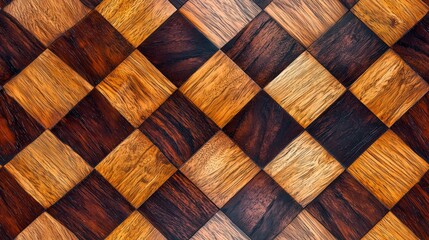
(136, 88)
(305, 89)
(178, 209)
(220, 169)
(390, 227)
(178, 3)
(48, 89)
(136, 19)
(178, 128)
(220, 20)
(220, 227)
(220, 89)
(306, 20)
(263, 49)
(349, 3)
(91, 3)
(177, 49)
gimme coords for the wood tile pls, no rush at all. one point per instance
(390, 227)
(304, 169)
(92, 209)
(262, 209)
(305, 89)
(178, 3)
(220, 169)
(136, 19)
(263, 49)
(348, 49)
(220, 20)
(178, 128)
(306, 20)
(47, 20)
(89, 55)
(47, 169)
(390, 19)
(17, 128)
(91, 3)
(389, 88)
(220, 89)
(93, 128)
(346, 208)
(18, 47)
(48, 89)
(136, 88)
(25, 209)
(220, 227)
(178, 209)
(4, 3)
(177, 49)
(262, 3)
(136, 168)
(262, 129)
(349, 3)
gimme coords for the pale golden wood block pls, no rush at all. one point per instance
(48, 89)
(136, 168)
(305, 89)
(45, 227)
(389, 88)
(136, 88)
(304, 169)
(306, 20)
(220, 20)
(389, 168)
(220, 227)
(390, 227)
(220, 169)
(47, 169)
(136, 19)
(220, 88)
(390, 19)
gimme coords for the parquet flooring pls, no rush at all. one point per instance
(214, 119)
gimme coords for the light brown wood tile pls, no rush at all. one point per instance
(220, 20)
(390, 227)
(306, 20)
(136, 19)
(220, 169)
(220, 227)
(48, 89)
(136, 168)
(136, 88)
(389, 88)
(389, 168)
(220, 89)
(305, 89)
(47, 169)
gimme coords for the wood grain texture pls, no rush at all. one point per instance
(220, 20)
(90, 55)
(136, 88)
(178, 209)
(47, 20)
(93, 128)
(306, 20)
(389, 88)
(348, 49)
(17, 128)
(390, 227)
(45, 227)
(304, 169)
(262, 209)
(263, 49)
(220, 89)
(262, 129)
(91, 3)
(47, 169)
(92, 209)
(178, 128)
(220, 169)
(305, 89)
(136, 168)
(18, 47)
(177, 49)
(346, 208)
(136, 19)
(220, 227)
(349, 3)
(48, 89)
(390, 19)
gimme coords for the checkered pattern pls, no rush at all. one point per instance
(221, 119)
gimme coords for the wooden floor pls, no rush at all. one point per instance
(214, 119)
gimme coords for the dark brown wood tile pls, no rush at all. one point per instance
(178, 3)
(262, 209)
(91, 3)
(262, 3)
(3, 3)
(349, 3)
(178, 209)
